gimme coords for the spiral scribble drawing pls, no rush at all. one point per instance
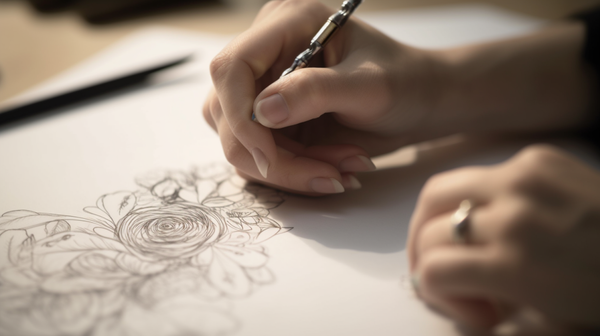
(169, 258)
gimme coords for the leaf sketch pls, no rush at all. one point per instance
(166, 259)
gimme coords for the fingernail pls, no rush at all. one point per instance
(325, 185)
(261, 161)
(358, 163)
(272, 110)
(350, 181)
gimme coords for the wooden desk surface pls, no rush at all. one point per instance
(34, 46)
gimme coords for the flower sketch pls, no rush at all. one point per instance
(166, 259)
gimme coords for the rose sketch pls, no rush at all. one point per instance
(166, 259)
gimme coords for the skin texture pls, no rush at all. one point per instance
(533, 240)
(535, 232)
(311, 143)
(367, 95)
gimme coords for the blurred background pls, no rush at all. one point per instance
(41, 38)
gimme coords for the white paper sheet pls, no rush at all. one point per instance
(142, 165)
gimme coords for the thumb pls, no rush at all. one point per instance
(310, 92)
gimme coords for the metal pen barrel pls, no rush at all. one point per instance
(334, 22)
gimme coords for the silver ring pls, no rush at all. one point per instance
(460, 222)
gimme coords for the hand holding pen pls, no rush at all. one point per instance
(365, 94)
(335, 22)
(319, 125)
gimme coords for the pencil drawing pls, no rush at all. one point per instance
(166, 259)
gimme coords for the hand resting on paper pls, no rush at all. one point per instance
(536, 218)
(533, 240)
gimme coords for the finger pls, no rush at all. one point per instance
(440, 230)
(246, 59)
(253, 179)
(472, 312)
(465, 271)
(290, 172)
(346, 158)
(443, 193)
(236, 110)
(328, 131)
(349, 182)
(349, 88)
(465, 283)
(211, 110)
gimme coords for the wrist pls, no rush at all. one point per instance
(532, 83)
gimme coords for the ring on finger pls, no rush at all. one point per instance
(460, 221)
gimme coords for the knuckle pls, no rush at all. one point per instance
(539, 155)
(381, 83)
(237, 127)
(234, 153)
(432, 186)
(219, 65)
(305, 84)
(311, 88)
(523, 179)
(447, 180)
(525, 172)
(534, 172)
